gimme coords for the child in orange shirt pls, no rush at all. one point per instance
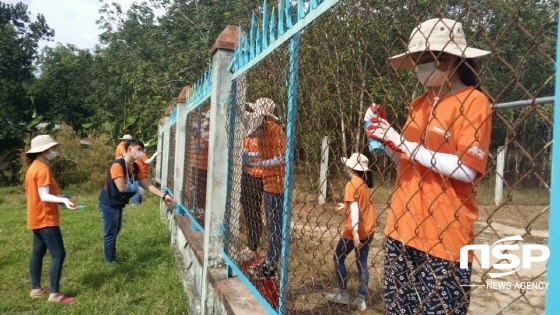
(359, 227)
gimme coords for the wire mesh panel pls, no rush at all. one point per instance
(423, 214)
(196, 161)
(171, 162)
(256, 177)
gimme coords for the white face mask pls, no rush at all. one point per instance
(138, 155)
(429, 75)
(51, 155)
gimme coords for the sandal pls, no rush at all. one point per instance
(61, 299)
(38, 294)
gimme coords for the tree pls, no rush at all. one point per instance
(19, 38)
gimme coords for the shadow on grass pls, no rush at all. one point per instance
(132, 269)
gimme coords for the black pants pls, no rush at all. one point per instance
(251, 202)
(418, 283)
(47, 238)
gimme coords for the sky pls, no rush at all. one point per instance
(72, 20)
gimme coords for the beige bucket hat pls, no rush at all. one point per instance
(261, 108)
(357, 161)
(126, 137)
(41, 144)
(436, 35)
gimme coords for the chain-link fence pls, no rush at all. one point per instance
(343, 68)
(475, 168)
(193, 194)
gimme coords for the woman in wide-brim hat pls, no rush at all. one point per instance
(43, 218)
(441, 153)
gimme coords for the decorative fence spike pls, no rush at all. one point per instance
(288, 13)
(265, 39)
(272, 26)
(281, 18)
(253, 36)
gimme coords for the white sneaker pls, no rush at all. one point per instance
(340, 297)
(247, 255)
(359, 303)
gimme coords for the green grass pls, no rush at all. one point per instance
(146, 280)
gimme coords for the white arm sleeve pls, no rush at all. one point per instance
(445, 164)
(395, 156)
(47, 197)
(277, 160)
(354, 215)
(152, 158)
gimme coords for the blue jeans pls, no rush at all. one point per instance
(343, 249)
(111, 218)
(273, 214)
(137, 199)
(47, 238)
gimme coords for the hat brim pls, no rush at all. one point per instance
(353, 164)
(42, 148)
(253, 107)
(404, 61)
(125, 138)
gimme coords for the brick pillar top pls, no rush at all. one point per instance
(227, 39)
(182, 98)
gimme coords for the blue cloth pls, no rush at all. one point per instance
(47, 238)
(111, 219)
(343, 249)
(273, 214)
(137, 199)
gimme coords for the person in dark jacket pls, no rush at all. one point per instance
(122, 182)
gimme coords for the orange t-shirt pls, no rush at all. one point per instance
(142, 166)
(356, 190)
(273, 143)
(117, 171)
(120, 150)
(430, 212)
(251, 144)
(40, 214)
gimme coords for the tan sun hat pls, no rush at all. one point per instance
(126, 137)
(436, 35)
(264, 107)
(41, 144)
(357, 161)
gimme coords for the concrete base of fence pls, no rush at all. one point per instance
(225, 296)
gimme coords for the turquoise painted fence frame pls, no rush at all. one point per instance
(200, 94)
(277, 27)
(173, 116)
(552, 300)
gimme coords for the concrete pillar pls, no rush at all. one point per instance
(180, 151)
(216, 189)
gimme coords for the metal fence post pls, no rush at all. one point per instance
(180, 151)
(552, 302)
(288, 179)
(222, 54)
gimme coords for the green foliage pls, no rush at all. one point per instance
(81, 161)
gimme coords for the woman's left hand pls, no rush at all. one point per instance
(340, 206)
(357, 242)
